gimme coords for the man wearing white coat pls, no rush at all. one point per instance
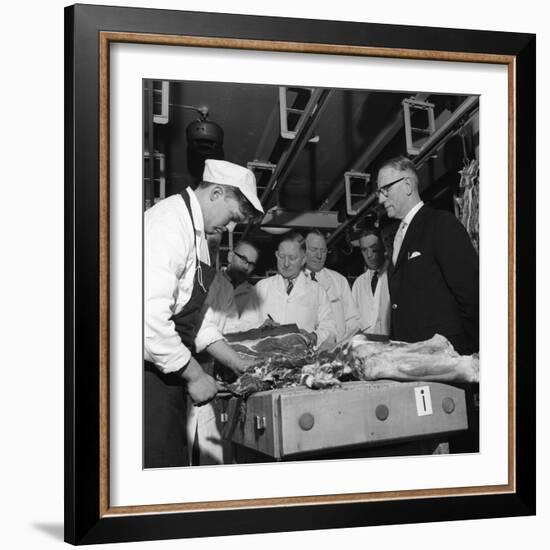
(227, 299)
(291, 297)
(370, 290)
(336, 286)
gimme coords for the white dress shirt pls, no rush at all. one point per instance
(342, 303)
(374, 310)
(169, 252)
(402, 230)
(307, 305)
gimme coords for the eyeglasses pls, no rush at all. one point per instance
(385, 188)
(245, 260)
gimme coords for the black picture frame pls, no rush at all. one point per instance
(88, 518)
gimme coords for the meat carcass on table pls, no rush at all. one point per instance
(431, 360)
(284, 359)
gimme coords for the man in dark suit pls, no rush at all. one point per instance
(434, 273)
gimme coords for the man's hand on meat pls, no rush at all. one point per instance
(311, 337)
(201, 387)
(269, 323)
(227, 356)
(327, 344)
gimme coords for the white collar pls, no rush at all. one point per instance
(295, 280)
(308, 271)
(197, 212)
(411, 213)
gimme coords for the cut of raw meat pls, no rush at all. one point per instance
(285, 360)
(279, 355)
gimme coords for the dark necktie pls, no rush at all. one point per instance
(374, 282)
(289, 287)
(313, 277)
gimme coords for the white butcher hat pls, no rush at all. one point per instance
(222, 172)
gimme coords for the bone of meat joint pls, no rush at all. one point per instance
(431, 360)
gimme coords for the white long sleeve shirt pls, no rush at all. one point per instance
(169, 272)
(307, 305)
(221, 314)
(374, 310)
(341, 300)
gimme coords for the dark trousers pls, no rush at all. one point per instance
(164, 420)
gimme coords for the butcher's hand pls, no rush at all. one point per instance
(242, 365)
(201, 387)
(269, 323)
(311, 337)
(327, 345)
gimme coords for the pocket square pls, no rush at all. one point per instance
(414, 254)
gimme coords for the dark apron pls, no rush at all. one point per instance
(164, 402)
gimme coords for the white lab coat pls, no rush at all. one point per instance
(307, 305)
(374, 310)
(341, 300)
(169, 272)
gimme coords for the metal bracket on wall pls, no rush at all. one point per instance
(285, 110)
(350, 178)
(394, 126)
(257, 166)
(410, 105)
(164, 91)
(158, 191)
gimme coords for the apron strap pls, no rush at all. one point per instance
(198, 263)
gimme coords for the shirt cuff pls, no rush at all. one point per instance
(174, 363)
(207, 336)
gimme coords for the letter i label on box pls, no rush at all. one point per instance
(423, 400)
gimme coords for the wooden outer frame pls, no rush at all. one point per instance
(88, 516)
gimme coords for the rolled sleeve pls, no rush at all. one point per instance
(219, 307)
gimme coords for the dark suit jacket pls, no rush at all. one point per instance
(434, 286)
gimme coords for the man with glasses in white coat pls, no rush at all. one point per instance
(229, 296)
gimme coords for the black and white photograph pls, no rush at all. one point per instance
(291, 244)
(310, 273)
